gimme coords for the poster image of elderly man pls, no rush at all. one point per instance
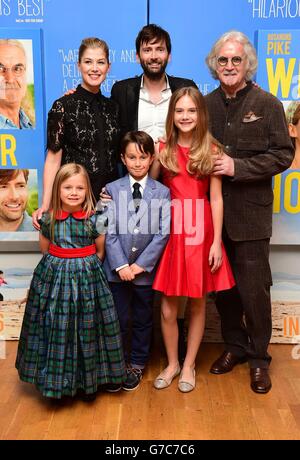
(16, 84)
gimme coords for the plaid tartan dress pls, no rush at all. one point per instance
(70, 337)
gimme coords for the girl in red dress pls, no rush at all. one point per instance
(194, 261)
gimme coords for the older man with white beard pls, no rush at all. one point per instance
(251, 125)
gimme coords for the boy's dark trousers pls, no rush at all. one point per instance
(134, 304)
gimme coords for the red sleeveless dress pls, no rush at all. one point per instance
(184, 269)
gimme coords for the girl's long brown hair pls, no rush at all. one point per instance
(200, 161)
(64, 173)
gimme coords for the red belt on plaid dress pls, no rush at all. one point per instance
(69, 253)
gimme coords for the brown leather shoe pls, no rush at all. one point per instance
(260, 380)
(226, 362)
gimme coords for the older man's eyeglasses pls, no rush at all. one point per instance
(235, 60)
(18, 70)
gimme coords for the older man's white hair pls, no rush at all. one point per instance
(233, 36)
(12, 42)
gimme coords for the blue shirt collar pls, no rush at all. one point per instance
(25, 123)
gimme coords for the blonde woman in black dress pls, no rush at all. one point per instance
(84, 127)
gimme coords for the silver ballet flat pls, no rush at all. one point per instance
(186, 386)
(161, 382)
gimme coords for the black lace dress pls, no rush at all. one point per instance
(86, 127)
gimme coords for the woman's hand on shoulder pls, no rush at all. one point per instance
(37, 215)
(105, 198)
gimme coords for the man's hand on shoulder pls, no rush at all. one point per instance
(70, 92)
(223, 166)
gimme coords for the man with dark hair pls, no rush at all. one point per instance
(13, 201)
(251, 125)
(144, 100)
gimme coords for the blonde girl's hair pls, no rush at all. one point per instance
(200, 161)
(64, 173)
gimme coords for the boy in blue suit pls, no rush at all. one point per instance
(138, 230)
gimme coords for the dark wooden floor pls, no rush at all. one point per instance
(221, 407)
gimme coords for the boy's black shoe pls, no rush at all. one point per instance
(133, 378)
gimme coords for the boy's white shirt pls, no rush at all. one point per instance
(142, 183)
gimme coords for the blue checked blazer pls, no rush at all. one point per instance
(136, 237)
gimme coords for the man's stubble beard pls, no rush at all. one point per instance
(154, 76)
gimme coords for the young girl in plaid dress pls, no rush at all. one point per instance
(70, 339)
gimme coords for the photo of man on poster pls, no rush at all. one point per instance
(16, 85)
(14, 199)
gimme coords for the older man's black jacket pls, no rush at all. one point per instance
(252, 127)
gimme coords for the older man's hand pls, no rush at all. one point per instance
(224, 165)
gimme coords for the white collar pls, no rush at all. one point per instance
(142, 182)
(166, 88)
